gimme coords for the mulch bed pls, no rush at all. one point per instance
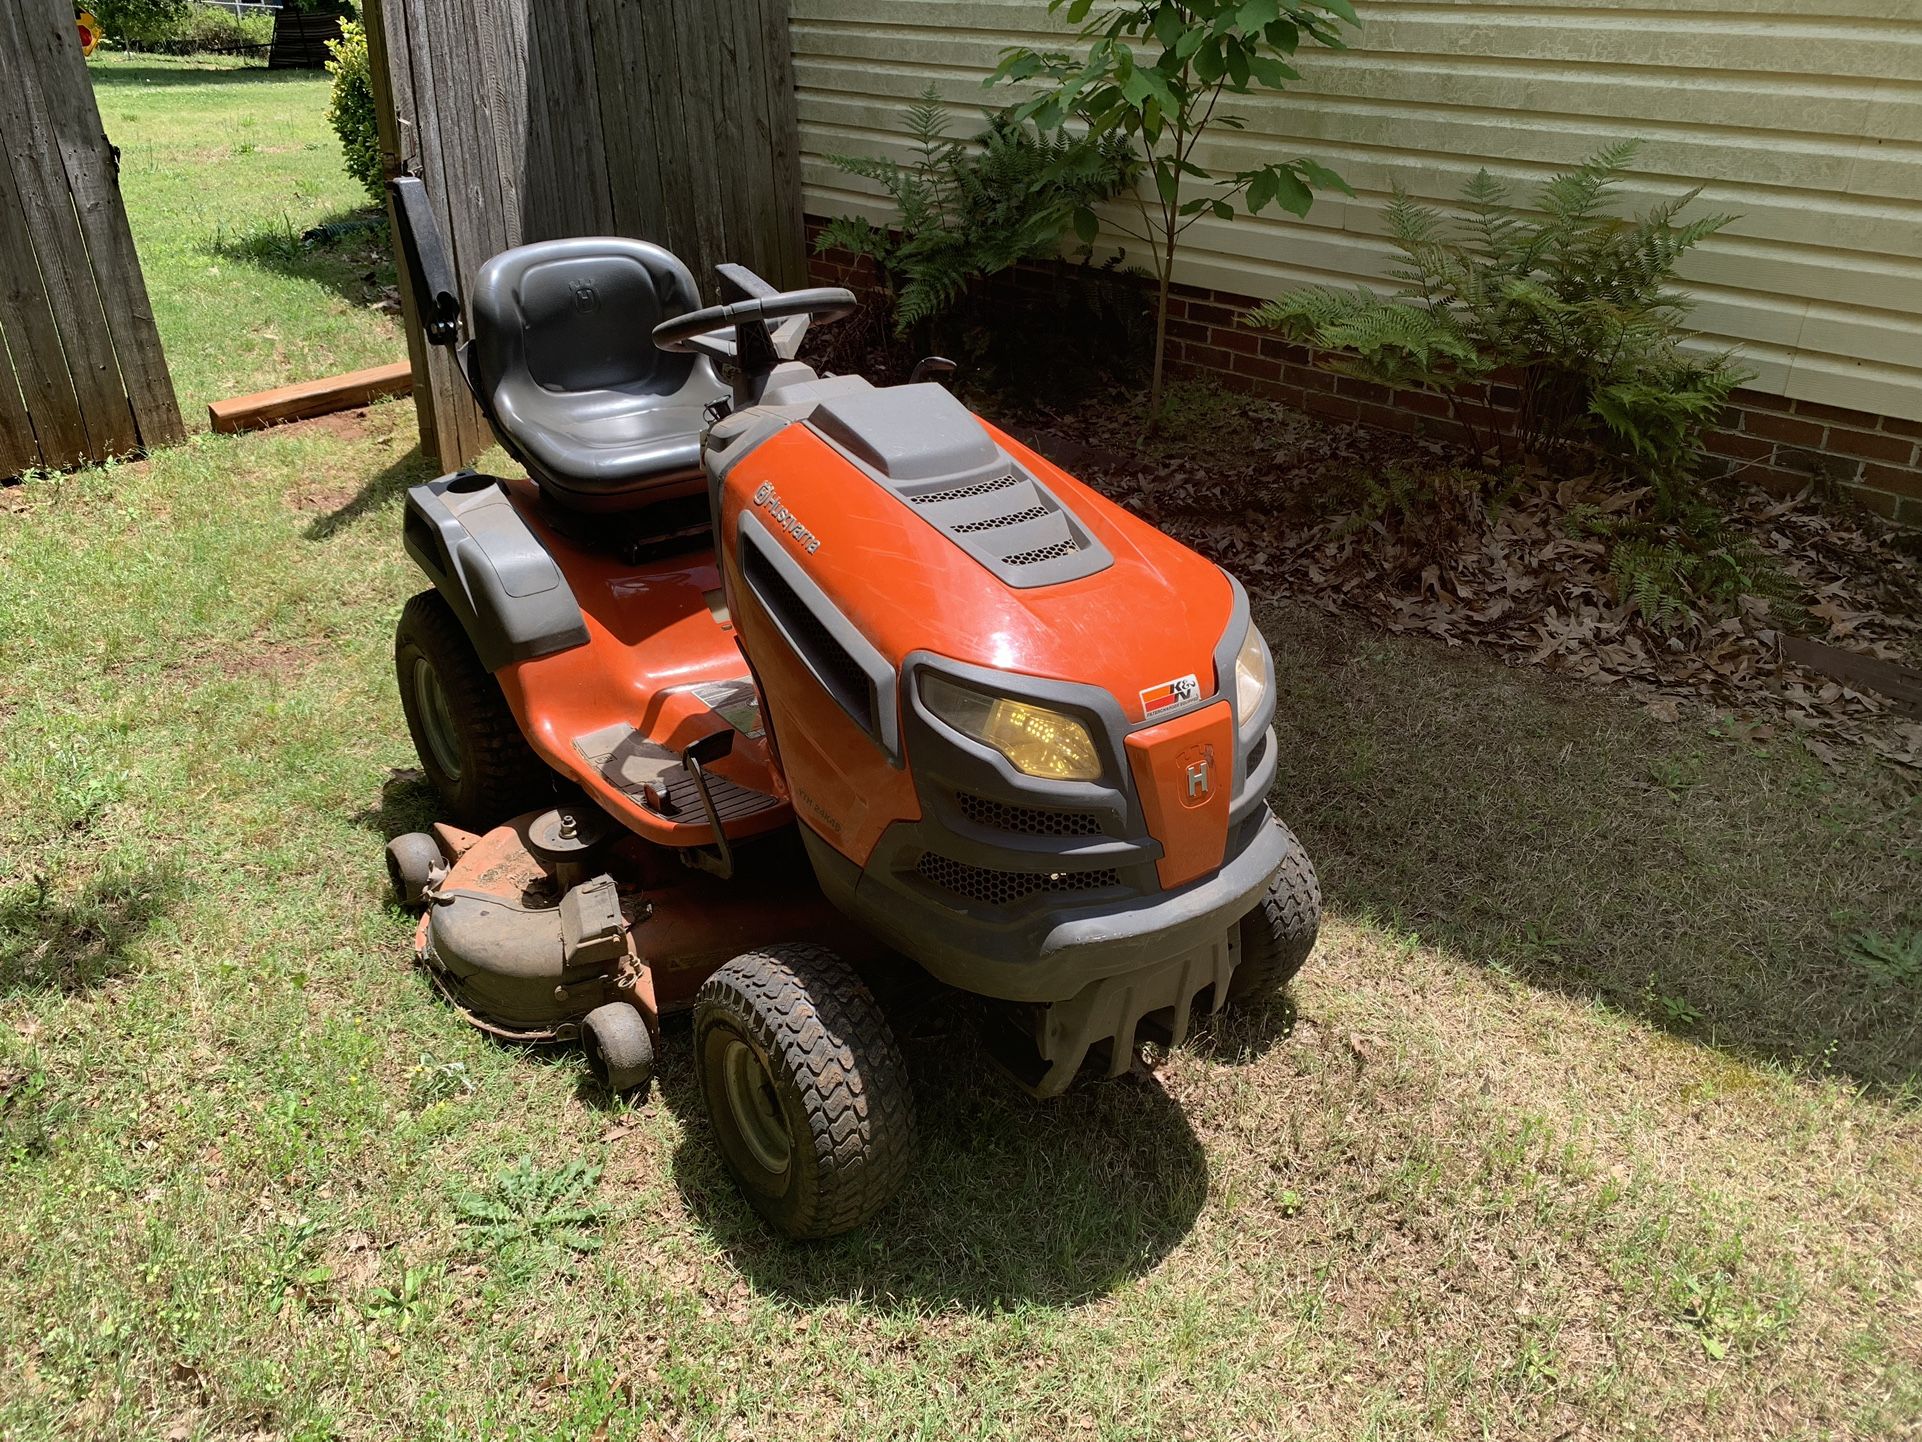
(1296, 508)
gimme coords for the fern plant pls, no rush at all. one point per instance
(969, 209)
(1574, 304)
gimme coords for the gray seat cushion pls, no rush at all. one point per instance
(574, 384)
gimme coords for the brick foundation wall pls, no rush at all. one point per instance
(1780, 443)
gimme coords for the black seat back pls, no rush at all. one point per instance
(575, 315)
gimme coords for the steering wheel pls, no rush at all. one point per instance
(695, 331)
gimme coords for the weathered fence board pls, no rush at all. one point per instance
(669, 120)
(82, 375)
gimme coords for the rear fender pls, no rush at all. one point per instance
(466, 535)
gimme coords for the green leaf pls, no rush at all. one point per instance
(1272, 73)
(1167, 183)
(1291, 194)
(1222, 209)
(1284, 36)
(1256, 13)
(1341, 8)
(1078, 11)
(1261, 190)
(1237, 59)
(1321, 176)
(1190, 42)
(1209, 66)
(1169, 29)
(1086, 225)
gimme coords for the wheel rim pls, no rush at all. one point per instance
(430, 700)
(755, 1110)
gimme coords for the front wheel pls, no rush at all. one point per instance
(1278, 934)
(805, 1087)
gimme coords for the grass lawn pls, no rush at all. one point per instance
(1456, 1194)
(1595, 1113)
(223, 167)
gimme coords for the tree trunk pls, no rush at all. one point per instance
(1161, 344)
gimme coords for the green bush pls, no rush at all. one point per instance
(1573, 304)
(965, 211)
(350, 110)
(182, 27)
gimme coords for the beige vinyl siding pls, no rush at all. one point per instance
(1805, 116)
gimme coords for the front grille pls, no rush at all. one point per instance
(1002, 888)
(1027, 820)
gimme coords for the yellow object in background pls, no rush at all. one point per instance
(89, 32)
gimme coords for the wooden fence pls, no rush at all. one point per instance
(82, 376)
(668, 120)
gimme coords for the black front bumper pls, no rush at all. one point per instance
(1050, 946)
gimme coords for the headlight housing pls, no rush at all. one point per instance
(1037, 740)
(1254, 675)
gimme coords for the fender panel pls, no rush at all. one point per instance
(464, 533)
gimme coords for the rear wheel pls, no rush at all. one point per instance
(1277, 935)
(467, 739)
(805, 1087)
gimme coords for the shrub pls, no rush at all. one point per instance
(968, 211)
(1153, 74)
(350, 110)
(1573, 302)
(139, 22)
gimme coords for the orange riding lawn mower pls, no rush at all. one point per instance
(764, 686)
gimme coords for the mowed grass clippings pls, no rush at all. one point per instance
(224, 167)
(1475, 1184)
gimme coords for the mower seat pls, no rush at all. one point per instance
(563, 362)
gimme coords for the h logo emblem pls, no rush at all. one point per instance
(1197, 775)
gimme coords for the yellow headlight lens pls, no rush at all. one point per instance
(1036, 740)
(1254, 674)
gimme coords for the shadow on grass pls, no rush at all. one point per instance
(50, 942)
(386, 485)
(183, 72)
(1010, 1200)
(346, 253)
(1704, 884)
(408, 802)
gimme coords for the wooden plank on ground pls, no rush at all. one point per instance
(1900, 685)
(311, 398)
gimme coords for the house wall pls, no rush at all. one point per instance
(1805, 116)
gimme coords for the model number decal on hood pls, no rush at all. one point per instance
(770, 500)
(1178, 692)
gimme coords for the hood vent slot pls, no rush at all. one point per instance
(925, 447)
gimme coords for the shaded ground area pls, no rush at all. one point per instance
(1514, 1165)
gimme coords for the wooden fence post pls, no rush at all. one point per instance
(667, 120)
(82, 374)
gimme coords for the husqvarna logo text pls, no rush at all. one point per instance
(769, 500)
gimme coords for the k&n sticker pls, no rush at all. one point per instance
(1170, 694)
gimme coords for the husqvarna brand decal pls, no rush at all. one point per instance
(769, 500)
(1169, 694)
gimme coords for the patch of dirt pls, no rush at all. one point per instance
(1308, 510)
